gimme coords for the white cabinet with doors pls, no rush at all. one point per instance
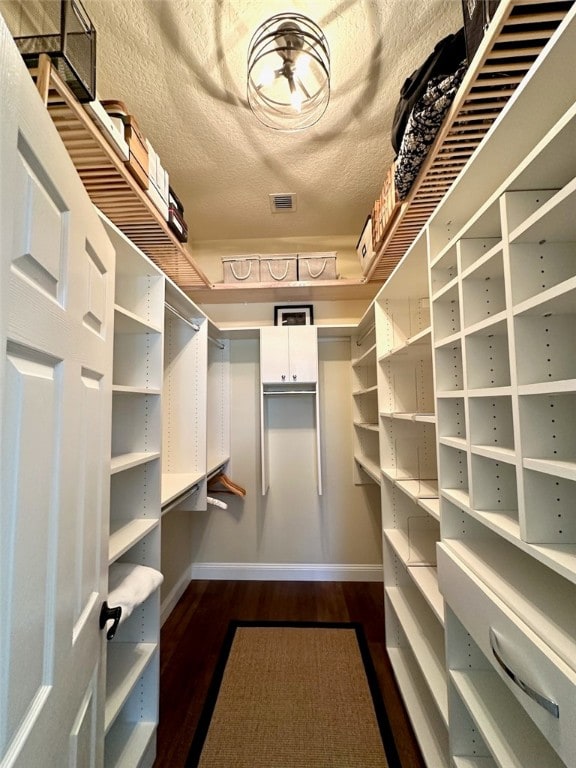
(289, 354)
(288, 368)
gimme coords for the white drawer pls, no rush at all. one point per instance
(540, 680)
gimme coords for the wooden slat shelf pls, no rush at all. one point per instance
(506, 54)
(111, 186)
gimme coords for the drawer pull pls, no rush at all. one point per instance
(548, 704)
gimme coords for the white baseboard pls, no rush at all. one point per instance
(170, 600)
(285, 572)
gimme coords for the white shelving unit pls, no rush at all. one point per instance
(365, 402)
(502, 259)
(132, 665)
(476, 382)
(165, 430)
(409, 492)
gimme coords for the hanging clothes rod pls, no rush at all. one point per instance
(218, 343)
(360, 339)
(170, 308)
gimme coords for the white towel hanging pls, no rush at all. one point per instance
(129, 585)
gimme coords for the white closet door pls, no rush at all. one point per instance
(56, 316)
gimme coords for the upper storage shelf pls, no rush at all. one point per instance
(110, 185)
(518, 33)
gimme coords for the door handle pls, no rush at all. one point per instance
(539, 698)
(110, 614)
(294, 376)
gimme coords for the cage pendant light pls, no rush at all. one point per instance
(288, 72)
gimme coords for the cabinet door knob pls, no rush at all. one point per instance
(294, 376)
(283, 377)
(110, 614)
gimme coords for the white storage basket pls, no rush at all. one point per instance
(280, 268)
(317, 266)
(241, 269)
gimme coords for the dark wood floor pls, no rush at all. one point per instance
(192, 636)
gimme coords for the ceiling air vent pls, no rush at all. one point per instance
(283, 203)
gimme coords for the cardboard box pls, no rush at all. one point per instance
(138, 161)
(112, 129)
(137, 145)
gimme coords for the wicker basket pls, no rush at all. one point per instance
(317, 266)
(241, 269)
(280, 268)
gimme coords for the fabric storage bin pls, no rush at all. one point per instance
(279, 268)
(241, 269)
(317, 266)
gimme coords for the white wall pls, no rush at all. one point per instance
(292, 532)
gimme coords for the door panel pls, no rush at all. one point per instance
(56, 300)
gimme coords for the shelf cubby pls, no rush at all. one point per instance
(548, 426)
(452, 418)
(426, 719)
(137, 356)
(520, 206)
(444, 270)
(491, 422)
(471, 251)
(446, 312)
(449, 368)
(401, 320)
(537, 267)
(487, 357)
(553, 221)
(404, 575)
(406, 382)
(549, 503)
(469, 749)
(483, 290)
(412, 532)
(453, 469)
(135, 424)
(493, 486)
(543, 334)
(409, 615)
(408, 449)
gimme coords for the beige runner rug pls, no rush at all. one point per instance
(294, 695)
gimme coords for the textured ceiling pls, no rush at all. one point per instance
(180, 67)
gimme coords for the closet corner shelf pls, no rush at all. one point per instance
(511, 45)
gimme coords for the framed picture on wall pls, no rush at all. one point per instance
(294, 315)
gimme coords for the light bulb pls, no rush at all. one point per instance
(296, 100)
(266, 76)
